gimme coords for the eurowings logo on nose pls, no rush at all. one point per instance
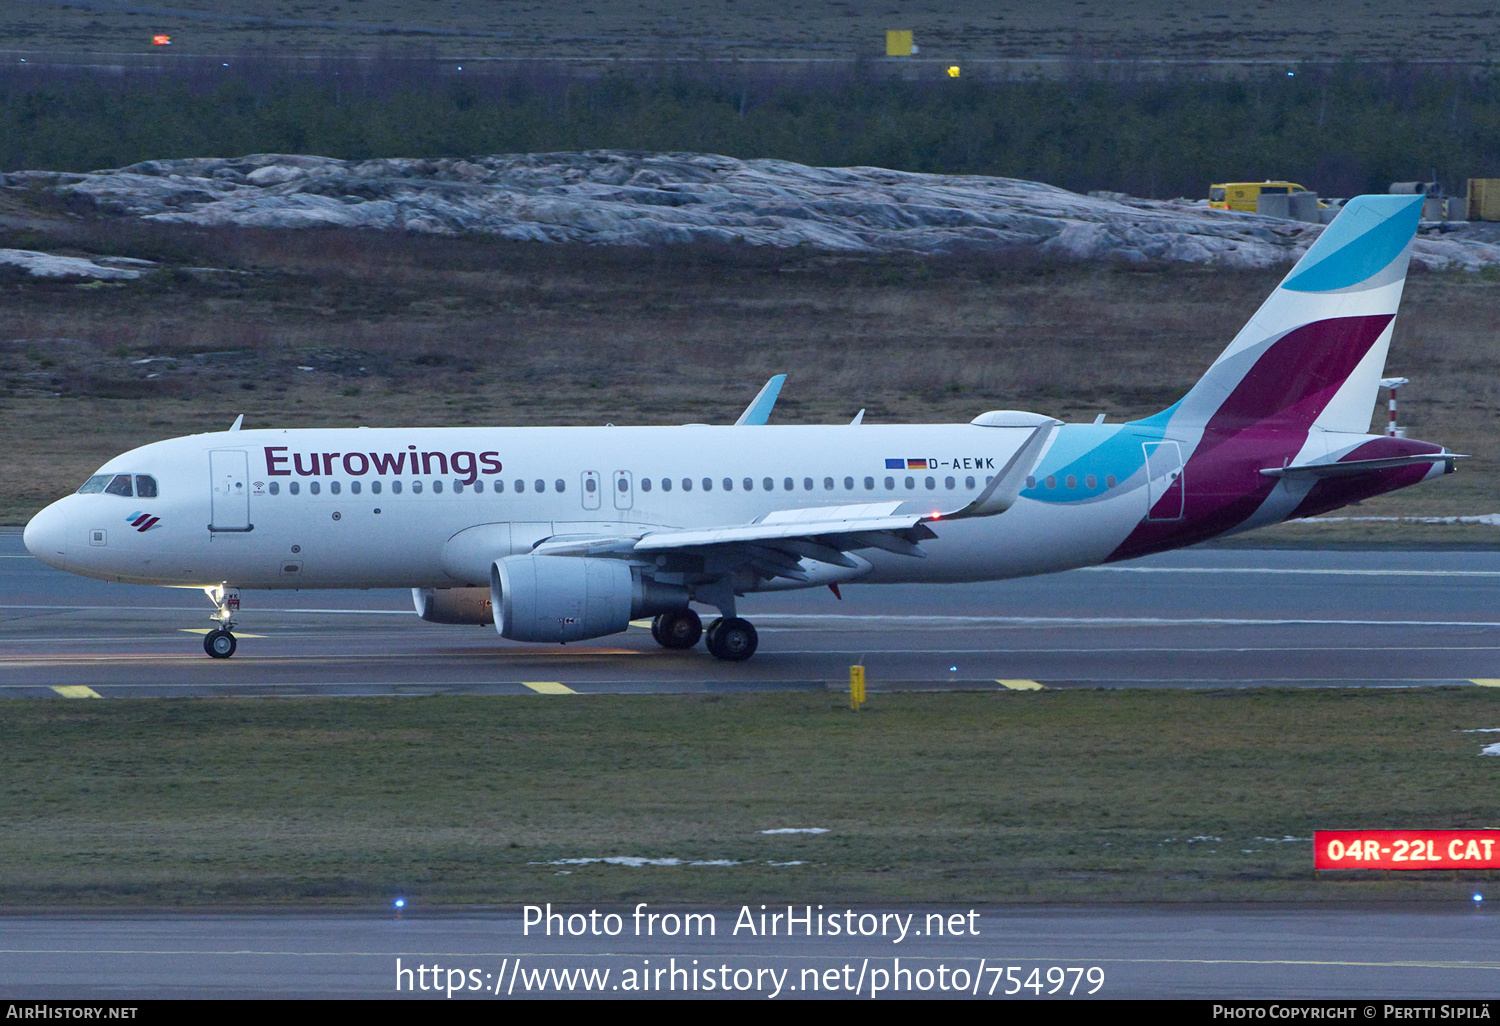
(142, 522)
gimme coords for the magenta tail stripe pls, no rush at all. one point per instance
(1314, 359)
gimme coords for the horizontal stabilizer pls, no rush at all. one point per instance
(1353, 468)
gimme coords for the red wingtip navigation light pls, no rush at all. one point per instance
(161, 40)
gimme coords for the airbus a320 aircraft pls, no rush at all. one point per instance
(558, 534)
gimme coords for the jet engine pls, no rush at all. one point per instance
(569, 598)
(453, 605)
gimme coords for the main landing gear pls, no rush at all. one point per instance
(219, 643)
(728, 638)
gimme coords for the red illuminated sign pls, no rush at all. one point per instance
(1406, 849)
(161, 40)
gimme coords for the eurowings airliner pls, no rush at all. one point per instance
(557, 534)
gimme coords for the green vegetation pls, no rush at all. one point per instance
(1054, 796)
(1342, 130)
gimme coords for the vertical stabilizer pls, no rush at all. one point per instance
(1313, 354)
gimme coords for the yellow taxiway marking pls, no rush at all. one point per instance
(205, 630)
(1486, 682)
(76, 691)
(548, 687)
(1021, 685)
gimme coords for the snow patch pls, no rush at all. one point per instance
(1490, 750)
(47, 265)
(620, 198)
(797, 830)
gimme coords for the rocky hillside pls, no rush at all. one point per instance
(642, 199)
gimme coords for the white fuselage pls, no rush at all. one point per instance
(392, 532)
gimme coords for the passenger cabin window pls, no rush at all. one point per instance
(335, 487)
(274, 488)
(558, 483)
(749, 484)
(119, 486)
(645, 484)
(295, 487)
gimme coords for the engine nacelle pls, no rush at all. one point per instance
(454, 605)
(569, 598)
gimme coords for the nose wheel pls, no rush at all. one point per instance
(219, 643)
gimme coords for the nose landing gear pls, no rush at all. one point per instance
(219, 643)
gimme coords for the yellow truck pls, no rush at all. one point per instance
(1242, 195)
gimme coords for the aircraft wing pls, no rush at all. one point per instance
(776, 544)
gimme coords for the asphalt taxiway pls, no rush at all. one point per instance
(1198, 618)
(1219, 954)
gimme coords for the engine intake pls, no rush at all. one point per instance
(569, 598)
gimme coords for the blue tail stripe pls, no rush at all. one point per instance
(1370, 233)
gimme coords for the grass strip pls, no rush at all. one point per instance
(994, 797)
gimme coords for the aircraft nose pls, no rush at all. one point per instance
(46, 535)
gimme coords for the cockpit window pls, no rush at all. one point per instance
(95, 484)
(145, 486)
(119, 486)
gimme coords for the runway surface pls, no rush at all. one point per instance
(1190, 953)
(1204, 618)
